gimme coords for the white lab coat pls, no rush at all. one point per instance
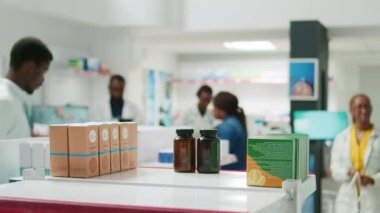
(13, 120)
(104, 113)
(192, 117)
(340, 164)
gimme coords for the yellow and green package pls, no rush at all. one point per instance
(302, 153)
(270, 160)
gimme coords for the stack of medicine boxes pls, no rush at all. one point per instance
(93, 149)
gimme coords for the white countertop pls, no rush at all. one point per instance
(161, 188)
(167, 177)
(147, 196)
(225, 160)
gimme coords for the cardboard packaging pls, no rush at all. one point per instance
(270, 161)
(59, 149)
(83, 150)
(104, 149)
(274, 158)
(115, 147)
(302, 153)
(128, 145)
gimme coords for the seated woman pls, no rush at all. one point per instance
(232, 128)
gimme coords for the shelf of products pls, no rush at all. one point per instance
(73, 72)
(229, 81)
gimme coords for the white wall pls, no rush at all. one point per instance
(52, 31)
(163, 13)
(346, 71)
(127, 54)
(145, 57)
(344, 83)
(65, 40)
(114, 47)
(351, 75)
(119, 48)
(369, 84)
(256, 98)
(202, 15)
(76, 10)
(105, 13)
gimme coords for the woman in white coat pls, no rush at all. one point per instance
(355, 161)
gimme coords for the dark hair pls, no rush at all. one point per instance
(230, 104)
(204, 88)
(118, 78)
(29, 48)
(360, 95)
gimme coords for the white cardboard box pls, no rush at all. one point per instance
(25, 155)
(38, 155)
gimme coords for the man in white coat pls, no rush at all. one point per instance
(355, 161)
(199, 116)
(117, 108)
(29, 61)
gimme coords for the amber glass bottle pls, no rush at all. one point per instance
(208, 152)
(184, 151)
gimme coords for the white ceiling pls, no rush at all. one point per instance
(347, 43)
(343, 41)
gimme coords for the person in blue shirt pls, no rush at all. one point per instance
(232, 128)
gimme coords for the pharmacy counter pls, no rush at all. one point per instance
(225, 160)
(167, 177)
(154, 190)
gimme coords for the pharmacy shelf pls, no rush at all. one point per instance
(229, 81)
(78, 73)
(159, 190)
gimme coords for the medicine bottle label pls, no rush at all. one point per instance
(125, 133)
(115, 133)
(92, 136)
(105, 135)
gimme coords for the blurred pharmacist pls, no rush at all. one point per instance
(29, 61)
(232, 128)
(199, 116)
(117, 108)
(355, 161)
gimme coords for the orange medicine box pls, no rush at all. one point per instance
(104, 149)
(83, 150)
(128, 145)
(59, 159)
(115, 147)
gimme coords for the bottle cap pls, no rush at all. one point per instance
(209, 132)
(185, 132)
